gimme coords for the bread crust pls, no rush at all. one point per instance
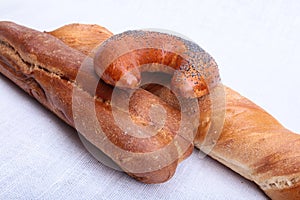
(83, 37)
(255, 145)
(120, 60)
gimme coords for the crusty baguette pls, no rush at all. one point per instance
(47, 69)
(252, 143)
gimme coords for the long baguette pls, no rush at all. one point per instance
(252, 142)
(47, 69)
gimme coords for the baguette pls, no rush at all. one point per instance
(252, 143)
(47, 69)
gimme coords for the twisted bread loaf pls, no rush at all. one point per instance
(252, 142)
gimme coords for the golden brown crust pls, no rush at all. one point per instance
(47, 69)
(83, 37)
(258, 147)
(292, 193)
(121, 59)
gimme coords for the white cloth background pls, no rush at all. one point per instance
(255, 43)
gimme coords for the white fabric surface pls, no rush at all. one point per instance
(255, 43)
